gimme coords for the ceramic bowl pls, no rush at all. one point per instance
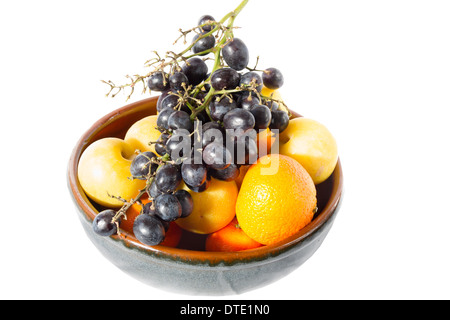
(196, 272)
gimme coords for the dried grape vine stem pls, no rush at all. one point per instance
(174, 59)
(127, 204)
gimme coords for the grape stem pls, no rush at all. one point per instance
(122, 212)
(175, 59)
(217, 50)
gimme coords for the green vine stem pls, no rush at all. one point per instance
(172, 60)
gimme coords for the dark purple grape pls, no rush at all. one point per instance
(206, 88)
(217, 156)
(209, 136)
(170, 101)
(210, 125)
(168, 178)
(180, 120)
(153, 190)
(160, 145)
(218, 109)
(202, 188)
(229, 174)
(186, 201)
(272, 105)
(247, 100)
(196, 154)
(252, 79)
(273, 78)
(149, 209)
(225, 78)
(242, 146)
(179, 81)
(158, 82)
(141, 165)
(195, 70)
(239, 119)
(163, 118)
(103, 225)
(160, 99)
(203, 44)
(193, 174)
(212, 135)
(149, 230)
(178, 147)
(167, 207)
(202, 117)
(263, 116)
(280, 121)
(236, 54)
(246, 150)
(204, 20)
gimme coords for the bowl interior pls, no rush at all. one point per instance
(191, 246)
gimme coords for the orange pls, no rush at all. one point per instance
(276, 200)
(213, 209)
(173, 234)
(230, 239)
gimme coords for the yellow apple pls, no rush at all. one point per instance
(214, 208)
(312, 145)
(141, 133)
(104, 170)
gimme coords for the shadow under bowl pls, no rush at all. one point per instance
(193, 271)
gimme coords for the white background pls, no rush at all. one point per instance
(376, 73)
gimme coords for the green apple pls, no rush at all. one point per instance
(312, 145)
(104, 171)
(141, 133)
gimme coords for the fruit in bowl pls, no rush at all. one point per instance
(275, 204)
(311, 144)
(104, 169)
(210, 167)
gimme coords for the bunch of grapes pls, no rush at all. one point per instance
(208, 119)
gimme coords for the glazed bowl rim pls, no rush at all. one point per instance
(184, 255)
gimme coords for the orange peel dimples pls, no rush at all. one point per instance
(276, 200)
